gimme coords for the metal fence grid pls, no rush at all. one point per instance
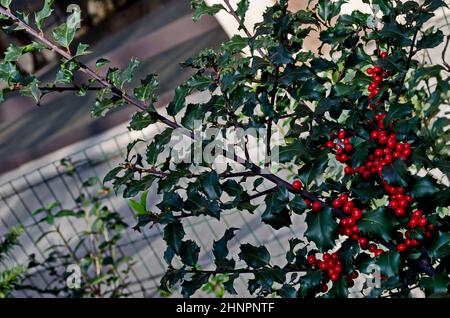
(20, 197)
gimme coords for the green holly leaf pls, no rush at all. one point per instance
(322, 228)
(389, 263)
(430, 39)
(220, 250)
(311, 170)
(201, 8)
(82, 49)
(43, 14)
(179, 100)
(101, 62)
(5, 3)
(396, 173)
(147, 89)
(435, 285)
(32, 90)
(276, 214)
(255, 257)
(189, 252)
(360, 154)
(211, 184)
(309, 282)
(241, 11)
(65, 33)
(141, 120)
(423, 187)
(13, 53)
(296, 149)
(173, 235)
(376, 224)
(189, 287)
(349, 249)
(235, 45)
(298, 205)
(339, 289)
(441, 246)
(138, 208)
(158, 145)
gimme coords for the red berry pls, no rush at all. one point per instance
(341, 134)
(406, 152)
(399, 212)
(427, 234)
(348, 147)
(403, 203)
(378, 79)
(378, 252)
(316, 206)
(324, 288)
(337, 203)
(401, 247)
(377, 70)
(329, 144)
(372, 248)
(337, 269)
(370, 71)
(393, 204)
(322, 265)
(343, 157)
(354, 275)
(383, 55)
(363, 242)
(382, 139)
(413, 222)
(348, 231)
(374, 134)
(379, 152)
(416, 214)
(308, 203)
(392, 144)
(344, 198)
(348, 170)
(296, 185)
(351, 221)
(423, 221)
(431, 227)
(334, 277)
(388, 159)
(408, 242)
(366, 175)
(348, 207)
(356, 213)
(311, 259)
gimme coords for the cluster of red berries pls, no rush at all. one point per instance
(407, 240)
(348, 225)
(398, 201)
(341, 144)
(378, 74)
(389, 149)
(332, 266)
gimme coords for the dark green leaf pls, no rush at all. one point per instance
(189, 252)
(173, 234)
(376, 224)
(255, 257)
(396, 173)
(322, 228)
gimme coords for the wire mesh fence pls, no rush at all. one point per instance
(20, 197)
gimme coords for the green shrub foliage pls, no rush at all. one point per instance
(363, 128)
